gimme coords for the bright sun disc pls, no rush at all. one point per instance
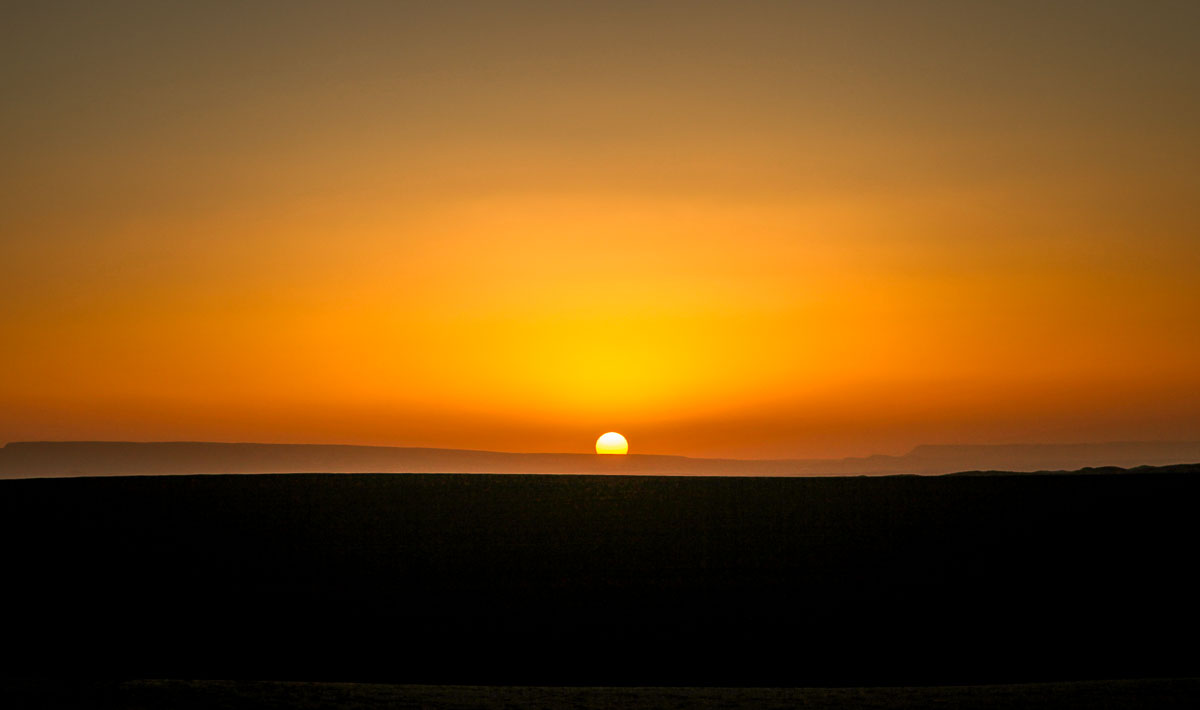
(612, 443)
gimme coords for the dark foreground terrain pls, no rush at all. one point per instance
(1161, 694)
(602, 580)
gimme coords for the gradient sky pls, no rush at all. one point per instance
(755, 229)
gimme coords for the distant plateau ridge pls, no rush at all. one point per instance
(109, 458)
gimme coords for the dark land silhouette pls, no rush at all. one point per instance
(1137, 694)
(603, 580)
(105, 458)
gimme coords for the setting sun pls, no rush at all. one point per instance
(612, 443)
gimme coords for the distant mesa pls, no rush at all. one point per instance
(111, 458)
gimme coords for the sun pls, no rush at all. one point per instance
(612, 443)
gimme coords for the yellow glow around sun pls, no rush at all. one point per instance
(612, 443)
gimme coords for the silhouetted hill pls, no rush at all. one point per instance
(1185, 468)
(1050, 457)
(103, 458)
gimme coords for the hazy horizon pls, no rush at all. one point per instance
(115, 458)
(584, 451)
(751, 230)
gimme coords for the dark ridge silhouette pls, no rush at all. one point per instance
(602, 580)
(103, 458)
(1185, 468)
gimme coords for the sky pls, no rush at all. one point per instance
(748, 229)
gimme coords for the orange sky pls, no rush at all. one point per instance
(722, 229)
